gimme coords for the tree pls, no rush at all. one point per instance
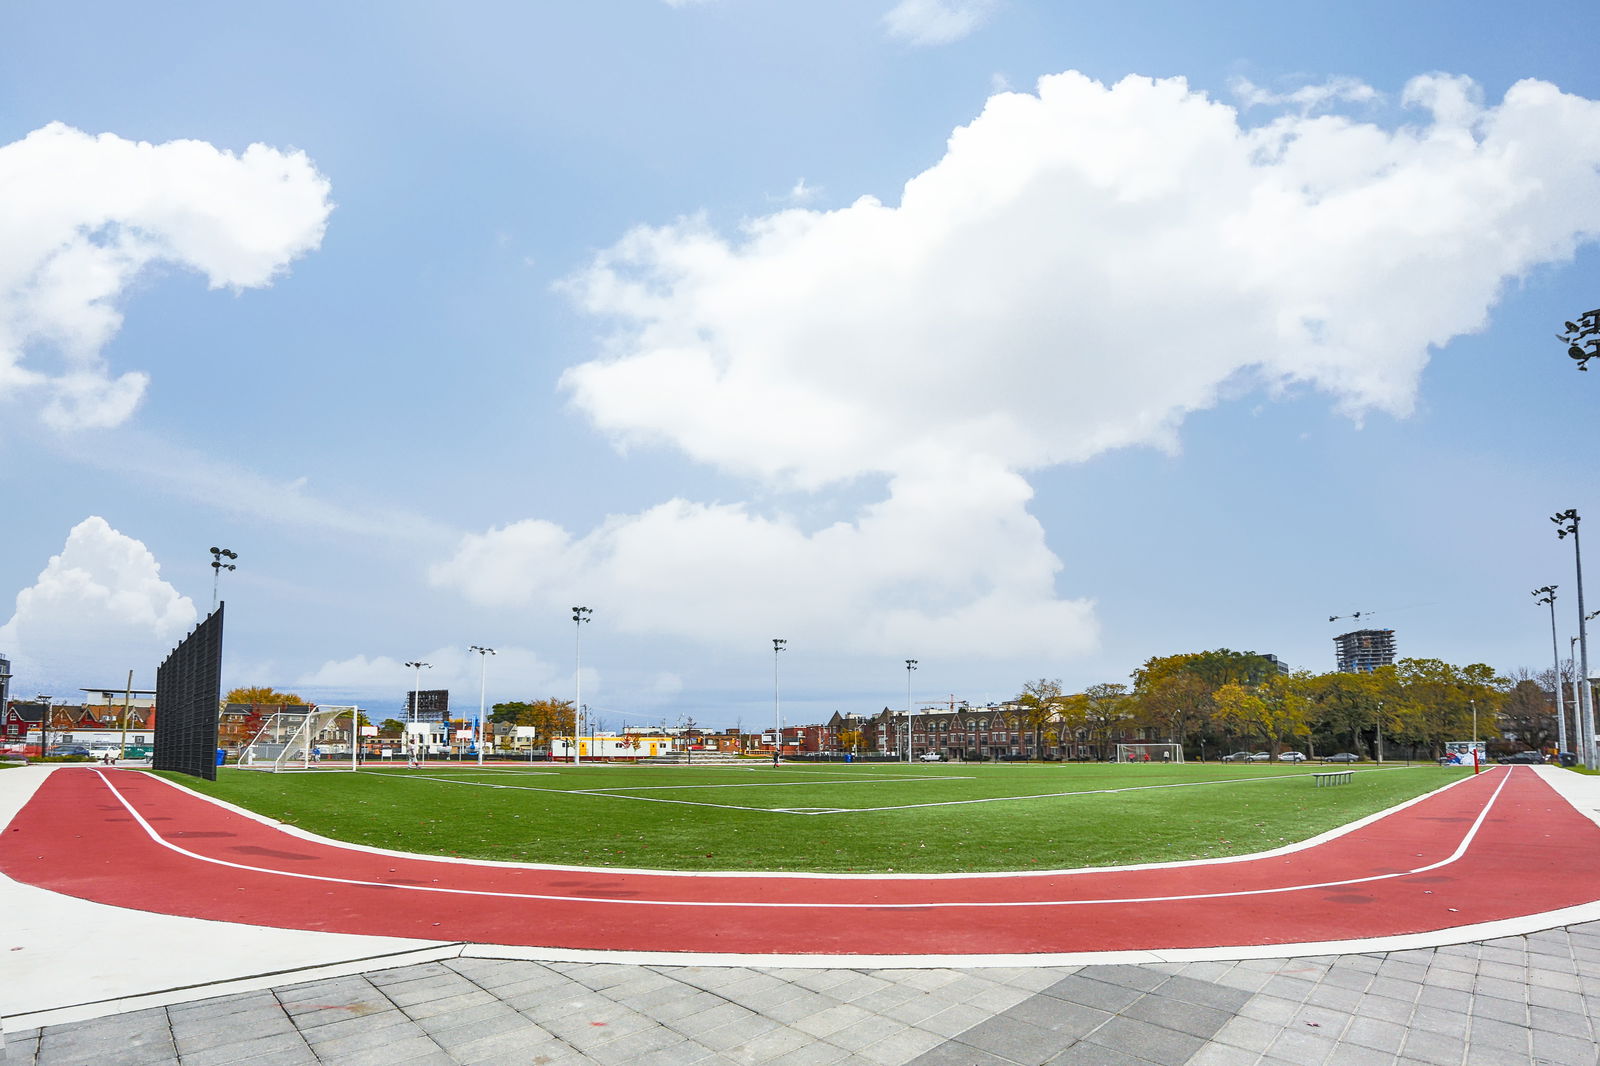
(391, 728)
(1347, 705)
(264, 695)
(1274, 710)
(1528, 712)
(1218, 668)
(1040, 702)
(1104, 708)
(549, 717)
(1439, 700)
(1171, 693)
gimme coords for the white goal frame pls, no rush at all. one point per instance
(286, 740)
(1158, 752)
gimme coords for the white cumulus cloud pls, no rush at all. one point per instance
(83, 215)
(949, 565)
(933, 22)
(1085, 267)
(97, 610)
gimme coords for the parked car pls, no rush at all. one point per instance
(1238, 756)
(1343, 756)
(63, 750)
(1292, 756)
(1523, 758)
(931, 756)
(1261, 756)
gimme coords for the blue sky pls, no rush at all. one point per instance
(522, 306)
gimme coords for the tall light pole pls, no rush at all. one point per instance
(483, 684)
(1547, 594)
(580, 615)
(217, 567)
(777, 715)
(1567, 525)
(911, 664)
(44, 723)
(1380, 731)
(416, 709)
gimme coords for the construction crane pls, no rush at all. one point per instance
(1356, 616)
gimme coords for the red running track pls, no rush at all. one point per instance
(1500, 845)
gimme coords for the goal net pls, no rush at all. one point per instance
(298, 740)
(1149, 752)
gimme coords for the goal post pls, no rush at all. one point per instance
(1142, 753)
(290, 740)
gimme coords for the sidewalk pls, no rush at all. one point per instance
(91, 984)
(1514, 1000)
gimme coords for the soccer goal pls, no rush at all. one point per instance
(1149, 752)
(293, 740)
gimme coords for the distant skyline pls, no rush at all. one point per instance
(1017, 338)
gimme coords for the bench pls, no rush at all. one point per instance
(1332, 777)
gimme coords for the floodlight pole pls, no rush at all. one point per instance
(1567, 524)
(44, 723)
(127, 698)
(1547, 594)
(483, 682)
(580, 615)
(911, 664)
(1380, 732)
(416, 708)
(777, 714)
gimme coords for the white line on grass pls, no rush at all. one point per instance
(621, 792)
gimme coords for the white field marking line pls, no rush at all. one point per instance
(597, 793)
(400, 771)
(1100, 791)
(619, 793)
(1461, 849)
(767, 784)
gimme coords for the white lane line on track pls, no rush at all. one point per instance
(1455, 856)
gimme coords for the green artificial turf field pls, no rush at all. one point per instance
(858, 818)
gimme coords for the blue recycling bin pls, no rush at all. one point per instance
(222, 756)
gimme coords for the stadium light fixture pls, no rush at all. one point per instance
(580, 615)
(1567, 525)
(483, 682)
(217, 567)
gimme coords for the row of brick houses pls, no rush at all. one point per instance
(103, 718)
(996, 731)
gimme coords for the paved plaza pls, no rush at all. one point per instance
(1520, 999)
